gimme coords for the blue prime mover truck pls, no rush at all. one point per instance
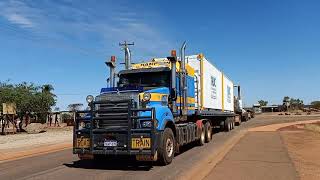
(155, 108)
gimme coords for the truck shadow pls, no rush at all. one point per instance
(125, 164)
(118, 164)
(192, 145)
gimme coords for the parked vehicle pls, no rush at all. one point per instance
(156, 108)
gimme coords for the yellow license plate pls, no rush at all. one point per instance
(140, 143)
(83, 142)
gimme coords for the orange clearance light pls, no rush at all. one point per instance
(200, 56)
(173, 53)
(113, 59)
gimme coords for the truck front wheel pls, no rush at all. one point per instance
(167, 147)
(202, 138)
(208, 132)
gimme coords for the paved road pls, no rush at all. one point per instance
(258, 155)
(63, 165)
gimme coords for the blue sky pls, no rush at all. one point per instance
(270, 47)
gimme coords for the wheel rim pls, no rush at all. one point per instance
(169, 147)
(209, 133)
(202, 136)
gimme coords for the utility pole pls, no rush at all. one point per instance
(127, 53)
(112, 65)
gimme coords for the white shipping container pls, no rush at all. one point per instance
(217, 88)
(228, 94)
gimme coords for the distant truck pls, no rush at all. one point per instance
(157, 107)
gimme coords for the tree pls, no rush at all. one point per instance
(263, 103)
(296, 104)
(316, 104)
(75, 107)
(28, 98)
(286, 103)
(47, 88)
(292, 103)
(286, 99)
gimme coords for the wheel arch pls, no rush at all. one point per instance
(170, 124)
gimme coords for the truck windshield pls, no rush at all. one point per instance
(146, 79)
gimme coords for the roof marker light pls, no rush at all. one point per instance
(113, 59)
(173, 53)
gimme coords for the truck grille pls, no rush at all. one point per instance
(114, 114)
(118, 96)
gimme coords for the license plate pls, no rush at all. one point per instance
(83, 142)
(110, 143)
(141, 143)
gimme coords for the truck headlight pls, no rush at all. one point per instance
(146, 96)
(89, 98)
(84, 125)
(146, 124)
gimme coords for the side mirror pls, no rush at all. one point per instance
(173, 94)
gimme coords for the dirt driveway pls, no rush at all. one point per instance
(304, 149)
(278, 151)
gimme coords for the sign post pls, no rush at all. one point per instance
(9, 110)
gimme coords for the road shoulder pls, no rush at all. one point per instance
(258, 155)
(303, 147)
(32, 151)
(17, 146)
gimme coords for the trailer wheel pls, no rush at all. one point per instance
(208, 132)
(244, 119)
(239, 121)
(202, 138)
(222, 126)
(231, 123)
(167, 147)
(227, 125)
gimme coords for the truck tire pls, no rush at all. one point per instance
(252, 115)
(167, 147)
(227, 125)
(239, 122)
(222, 126)
(202, 138)
(208, 132)
(244, 119)
(232, 123)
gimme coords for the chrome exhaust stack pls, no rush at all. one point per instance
(183, 80)
(173, 90)
(127, 53)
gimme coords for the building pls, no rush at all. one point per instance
(271, 108)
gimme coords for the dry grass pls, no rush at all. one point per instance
(313, 127)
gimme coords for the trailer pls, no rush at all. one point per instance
(157, 107)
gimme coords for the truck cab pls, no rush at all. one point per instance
(131, 119)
